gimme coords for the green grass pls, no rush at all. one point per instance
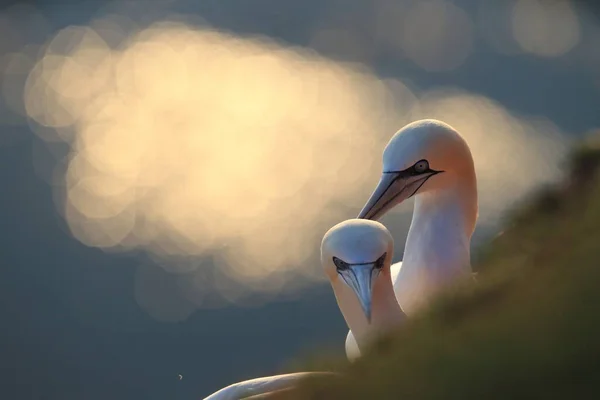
(529, 328)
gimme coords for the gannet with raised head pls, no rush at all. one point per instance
(430, 161)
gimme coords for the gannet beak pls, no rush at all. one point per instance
(393, 189)
(360, 279)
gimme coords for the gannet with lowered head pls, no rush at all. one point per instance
(356, 255)
(431, 161)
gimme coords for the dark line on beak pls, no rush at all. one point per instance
(391, 199)
(398, 176)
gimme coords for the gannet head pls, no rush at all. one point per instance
(423, 157)
(356, 255)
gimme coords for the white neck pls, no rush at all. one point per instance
(438, 245)
(386, 314)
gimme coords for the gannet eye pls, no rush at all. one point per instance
(380, 261)
(340, 265)
(421, 166)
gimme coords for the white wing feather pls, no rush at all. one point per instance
(260, 386)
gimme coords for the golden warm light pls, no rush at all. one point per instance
(191, 143)
(185, 140)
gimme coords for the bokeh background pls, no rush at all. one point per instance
(168, 168)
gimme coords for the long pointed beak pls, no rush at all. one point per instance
(393, 189)
(360, 279)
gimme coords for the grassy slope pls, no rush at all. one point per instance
(529, 329)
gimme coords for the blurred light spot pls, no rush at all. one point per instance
(225, 139)
(226, 158)
(545, 28)
(437, 35)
